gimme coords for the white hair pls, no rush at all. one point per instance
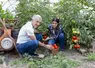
(37, 17)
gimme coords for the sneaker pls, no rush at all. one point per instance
(61, 49)
(38, 55)
(34, 54)
(41, 56)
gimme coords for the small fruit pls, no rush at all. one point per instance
(77, 46)
(55, 46)
(74, 32)
(74, 37)
(73, 21)
(75, 41)
(78, 32)
(45, 37)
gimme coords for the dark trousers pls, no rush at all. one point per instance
(30, 46)
(59, 40)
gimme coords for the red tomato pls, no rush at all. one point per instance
(77, 46)
(74, 37)
(45, 37)
(55, 46)
(75, 41)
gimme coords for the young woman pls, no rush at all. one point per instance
(56, 34)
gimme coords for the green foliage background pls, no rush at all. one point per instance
(27, 8)
(80, 11)
(7, 15)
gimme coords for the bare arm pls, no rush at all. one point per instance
(32, 37)
(46, 46)
(42, 44)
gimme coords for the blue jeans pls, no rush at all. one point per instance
(30, 46)
(59, 40)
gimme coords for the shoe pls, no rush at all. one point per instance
(61, 49)
(38, 55)
(34, 54)
(41, 56)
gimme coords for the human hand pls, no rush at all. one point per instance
(50, 47)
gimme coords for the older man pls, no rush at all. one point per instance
(27, 41)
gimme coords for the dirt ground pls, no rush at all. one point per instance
(77, 56)
(72, 54)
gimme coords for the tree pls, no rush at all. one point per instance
(70, 11)
(79, 14)
(27, 8)
(5, 14)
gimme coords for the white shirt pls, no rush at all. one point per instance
(26, 31)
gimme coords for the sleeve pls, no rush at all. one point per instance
(60, 30)
(50, 32)
(30, 31)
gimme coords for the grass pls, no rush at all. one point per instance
(57, 61)
(91, 56)
(1, 59)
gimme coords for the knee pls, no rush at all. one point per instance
(51, 42)
(35, 42)
(39, 37)
(61, 35)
